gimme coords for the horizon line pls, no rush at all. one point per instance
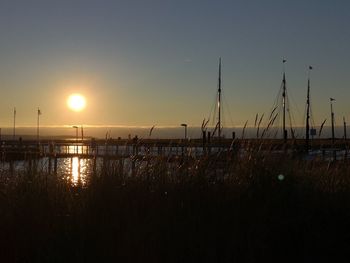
(137, 126)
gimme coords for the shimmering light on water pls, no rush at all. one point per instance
(75, 170)
(78, 171)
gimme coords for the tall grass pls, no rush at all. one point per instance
(224, 207)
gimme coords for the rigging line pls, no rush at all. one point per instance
(277, 124)
(290, 115)
(294, 104)
(312, 120)
(312, 116)
(276, 100)
(213, 108)
(223, 114)
(228, 109)
(214, 121)
(277, 108)
(304, 119)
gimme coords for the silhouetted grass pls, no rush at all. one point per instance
(260, 206)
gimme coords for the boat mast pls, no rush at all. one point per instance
(219, 99)
(284, 104)
(307, 135)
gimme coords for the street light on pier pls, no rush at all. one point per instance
(185, 125)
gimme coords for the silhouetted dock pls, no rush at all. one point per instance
(149, 148)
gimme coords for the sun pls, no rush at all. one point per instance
(76, 102)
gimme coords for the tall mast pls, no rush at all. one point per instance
(219, 99)
(307, 135)
(284, 104)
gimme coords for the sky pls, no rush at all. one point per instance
(155, 62)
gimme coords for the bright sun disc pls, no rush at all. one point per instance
(76, 102)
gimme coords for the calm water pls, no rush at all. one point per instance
(73, 170)
(77, 171)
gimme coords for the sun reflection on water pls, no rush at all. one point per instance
(78, 171)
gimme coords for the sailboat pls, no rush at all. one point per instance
(281, 107)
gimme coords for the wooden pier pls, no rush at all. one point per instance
(12, 150)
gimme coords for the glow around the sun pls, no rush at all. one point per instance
(76, 102)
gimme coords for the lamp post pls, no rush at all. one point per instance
(185, 125)
(76, 136)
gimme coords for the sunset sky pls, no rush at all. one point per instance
(156, 61)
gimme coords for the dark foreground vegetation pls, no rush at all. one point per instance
(239, 210)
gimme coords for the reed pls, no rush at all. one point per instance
(223, 207)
